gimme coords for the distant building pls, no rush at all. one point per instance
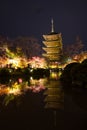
(53, 47)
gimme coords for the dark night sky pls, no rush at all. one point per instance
(33, 18)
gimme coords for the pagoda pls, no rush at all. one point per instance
(53, 47)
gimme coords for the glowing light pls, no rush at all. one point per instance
(31, 70)
(31, 78)
(37, 62)
(15, 91)
(3, 90)
(20, 80)
(54, 75)
(37, 88)
(20, 87)
(37, 85)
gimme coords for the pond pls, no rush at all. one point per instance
(38, 104)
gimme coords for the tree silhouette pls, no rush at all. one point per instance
(29, 45)
(75, 48)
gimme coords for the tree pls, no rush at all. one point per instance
(75, 48)
(29, 45)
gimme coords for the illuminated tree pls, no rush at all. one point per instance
(29, 46)
(37, 62)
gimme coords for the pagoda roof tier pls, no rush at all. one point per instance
(52, 36)
(52, 43)
(52, 50)
(52, 57)
(51, 54)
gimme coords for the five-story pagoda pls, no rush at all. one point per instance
(53, 47)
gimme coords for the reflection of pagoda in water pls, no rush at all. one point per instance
(53, 46)
(54, 98)
(54, 94)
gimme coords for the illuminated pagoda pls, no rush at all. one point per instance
(53, 47)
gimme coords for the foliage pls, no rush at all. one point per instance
(27, 46)
(4, 72)
(75, 48)
(80, 74)
(37, 62)
(75, 74)
(66, 75)
(8, 99)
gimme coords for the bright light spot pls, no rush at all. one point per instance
(31, 70)
(20, 80)
(15, 91)
(31, 78)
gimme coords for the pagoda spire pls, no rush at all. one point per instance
(52, 25)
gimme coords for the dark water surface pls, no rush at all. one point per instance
(42, 104)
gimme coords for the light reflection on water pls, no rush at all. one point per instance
(50, 86)
(19, 87)
(33, 98)
(39, 103)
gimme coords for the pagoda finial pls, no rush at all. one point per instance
(52, 25)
